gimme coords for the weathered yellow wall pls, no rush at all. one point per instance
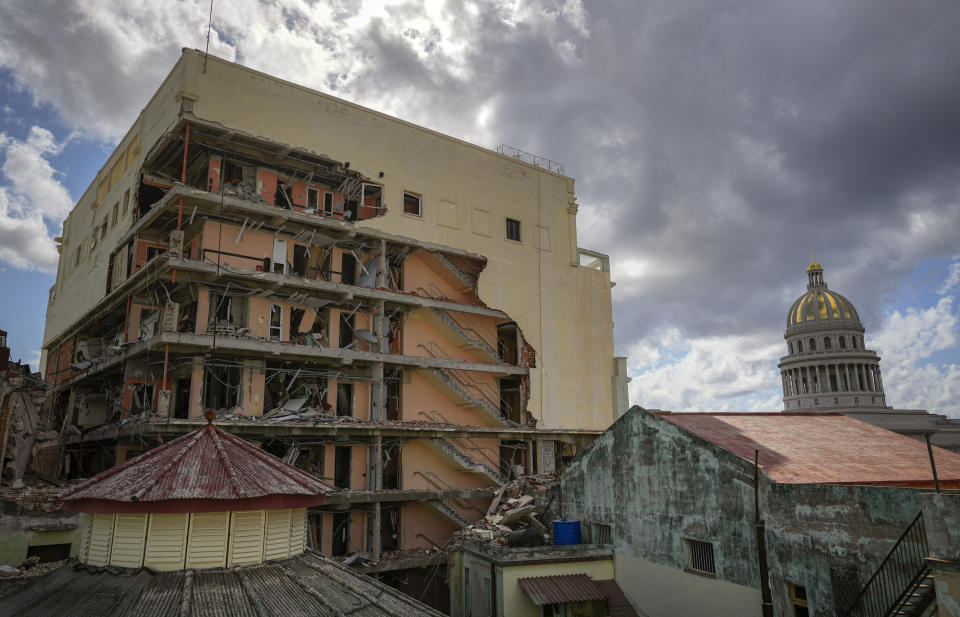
(515, 600)
(467, 192)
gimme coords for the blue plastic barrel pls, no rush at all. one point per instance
(566, 532)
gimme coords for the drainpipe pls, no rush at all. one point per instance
(933, 464)
(766, 596)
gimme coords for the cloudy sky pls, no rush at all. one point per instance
(714, 143)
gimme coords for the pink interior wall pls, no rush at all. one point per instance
(419, 270)
(421, 518)
(203, 309)
(213, 175)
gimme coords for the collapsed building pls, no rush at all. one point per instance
(402, 314)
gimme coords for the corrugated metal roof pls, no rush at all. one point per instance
(306, 585)
(561, 588)
(821, 448)
(206, 464)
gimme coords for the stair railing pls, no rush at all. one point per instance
(438, 484)
(468, 383)
(466, 445)
(471, 327)
(899, 572)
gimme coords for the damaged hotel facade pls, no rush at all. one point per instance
(403, 314)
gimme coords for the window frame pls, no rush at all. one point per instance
(519, 229)
(419, 198)
(700, 552)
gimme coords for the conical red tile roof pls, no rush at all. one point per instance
(204, 471)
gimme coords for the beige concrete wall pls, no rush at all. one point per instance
(516, 603)
(660, 591)
(467, 193)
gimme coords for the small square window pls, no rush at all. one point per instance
(513, 230)
(412, 204)
(700, 557)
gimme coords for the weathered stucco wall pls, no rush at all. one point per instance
(657, 485)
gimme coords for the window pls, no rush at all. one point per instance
(141, 398)
(155, 251)
(276, 322)
(853, 341)
(513, 230)
(827, 344)
(843, 343)
(77, 262)
(602, 534)
(313, 199)
(700, 557)
(813, 344)
(836, 401)
(790, 347)
(816, 401)
(328, 204)
(856, 400)
(798, 600)
(799, 346)
(411, 204)
(126, 202)
(116, 211)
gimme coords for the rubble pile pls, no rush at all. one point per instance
(514, 515)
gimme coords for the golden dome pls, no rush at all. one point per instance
(821, 305)
(814, 266)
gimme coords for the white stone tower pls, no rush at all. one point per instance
(827, 367)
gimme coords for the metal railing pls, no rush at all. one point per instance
(438, 484)
(433, 292)
(465, 444)
(899, 573)
(484, 391)
(533, 159)
(593, 260)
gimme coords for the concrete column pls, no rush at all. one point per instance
(871, 386)
(377, 485)
(846, 375)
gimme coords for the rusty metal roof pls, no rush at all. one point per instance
(561, 588)
(310, 584)
(822, 448)
(208, 464)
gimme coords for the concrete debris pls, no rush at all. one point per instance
(517, 516)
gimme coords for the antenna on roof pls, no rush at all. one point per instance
(206, 52)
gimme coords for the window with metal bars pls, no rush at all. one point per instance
(602, 534)
(513, 230)
(700, 557)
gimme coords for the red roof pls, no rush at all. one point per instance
(561, 588)
(823, 448)
(203, 471)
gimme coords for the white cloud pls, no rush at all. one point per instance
(906, 343)
(730, 373)
(953, 278)
(31, 197)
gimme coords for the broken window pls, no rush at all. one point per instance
(283, 197)
(280, 256)
(511, 406)
(328, 204)
(155, 251)
(141, 397)
(181, 402)
(232, 177)
(301, 259)
(507, 343)
(296, 318)
(313, 199)
(227, 311)
(341, 467)
(394, 383)
(221, 387)
(411, 204)
(276, 322)
(340, 535)
(371, 201)
(347, 327)
(148, 323)
(391, 465)
(390, 528)
(513, 230)
(700, 556)
(344, 399)
(348, 269)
